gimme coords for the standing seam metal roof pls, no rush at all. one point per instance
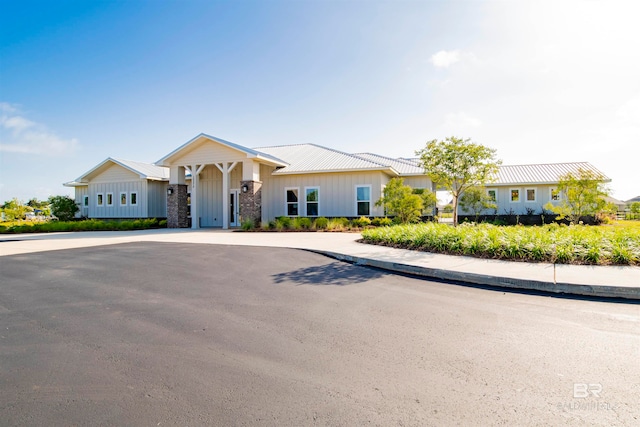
(309, 158)
(542, 173)
(404, 167)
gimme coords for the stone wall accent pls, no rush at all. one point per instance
(251, 201)
(177, 206)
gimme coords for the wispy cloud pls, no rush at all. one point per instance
(21, 135)
(444, 58)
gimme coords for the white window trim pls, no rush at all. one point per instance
(107, 201)
(85, 201)
(131, 198)
(120, 198)
(551, 190)
(495, 190)
(511, 190)
(356, 199)
(98, 197)
(286, 203)
(306, 212)
(535, 195)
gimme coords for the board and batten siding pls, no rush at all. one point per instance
(506, 206)
(210, 194)
(157, 195)
(421, 181)
(337, 192)
(117, 211)
(209, 152)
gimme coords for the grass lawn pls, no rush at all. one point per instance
(613, 244)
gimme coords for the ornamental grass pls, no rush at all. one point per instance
(596, 245)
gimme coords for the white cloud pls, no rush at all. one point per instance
(444, 59)
(21, 135)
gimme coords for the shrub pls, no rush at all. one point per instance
(338, 224)
(321, 223)
(247, 224)
(363, 221)
(283, 223)
(301, 223)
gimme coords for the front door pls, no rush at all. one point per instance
(234, 208)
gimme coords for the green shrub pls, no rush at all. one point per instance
(302, 223)
(321, 223)
(283, 223)
(363, 221)
(381, 221)
(247, 224)
(338, 224)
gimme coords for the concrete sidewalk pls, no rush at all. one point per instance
(600, 281)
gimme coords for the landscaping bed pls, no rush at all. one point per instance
(84, 225)
(554, 243)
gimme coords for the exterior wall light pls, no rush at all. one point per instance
(245, 188)
(169, 191)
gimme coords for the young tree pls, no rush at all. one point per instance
(14, 209)
(64, 207)
(582, 194)
(429, 200)
(635, 207)
(476, 199)
(398, 200)
(458, 164)
(41, 205)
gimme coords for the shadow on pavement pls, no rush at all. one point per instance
(335, 274)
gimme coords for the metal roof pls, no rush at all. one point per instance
(403, 166)
(144, 170)
(542, 173)
(310, 158)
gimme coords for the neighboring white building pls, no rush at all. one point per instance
(210, 182)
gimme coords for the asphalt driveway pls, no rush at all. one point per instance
(188, 334)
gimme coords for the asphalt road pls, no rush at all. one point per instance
(184, 334)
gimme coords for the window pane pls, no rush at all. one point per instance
(531, 195)
(312, 209)
(99, 199)
(363, 208)
(109, 199)
(492, 195)
(292, 196)
(123, 198)
(292, 209)
(312, 194)
(86, 200)
(134, 198)
(515, 195)
(363, 193)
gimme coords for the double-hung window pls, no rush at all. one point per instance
(312, 199)
(363, 200)
(291, 204)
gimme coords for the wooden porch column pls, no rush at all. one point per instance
(225, 168)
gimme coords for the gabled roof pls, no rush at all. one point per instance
(311, 158)
(542, 173)
(144, 170)
(635, 199)
(403, 166)
(250, 152)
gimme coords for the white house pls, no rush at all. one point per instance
(210, 182)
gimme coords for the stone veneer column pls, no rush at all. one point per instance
(177, 206)
(251, 201)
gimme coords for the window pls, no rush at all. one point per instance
(85, 201)
(492, 195)
(100, 200)
(554, 194)
(109, 199)
(291, 207)
(133, 198)
(123, 199)
(312, 200)
(515, 195)
(363, 200)
(531, 194)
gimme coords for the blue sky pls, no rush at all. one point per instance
(539, 81)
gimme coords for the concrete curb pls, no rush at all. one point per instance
(601, 291)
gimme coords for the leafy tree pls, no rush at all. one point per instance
(475, 200)
(582, 194)
(42, 205)
(457, 165)
(400, 201)
(635, 207)
(64, 207)
(14, 209)
(429, 200)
